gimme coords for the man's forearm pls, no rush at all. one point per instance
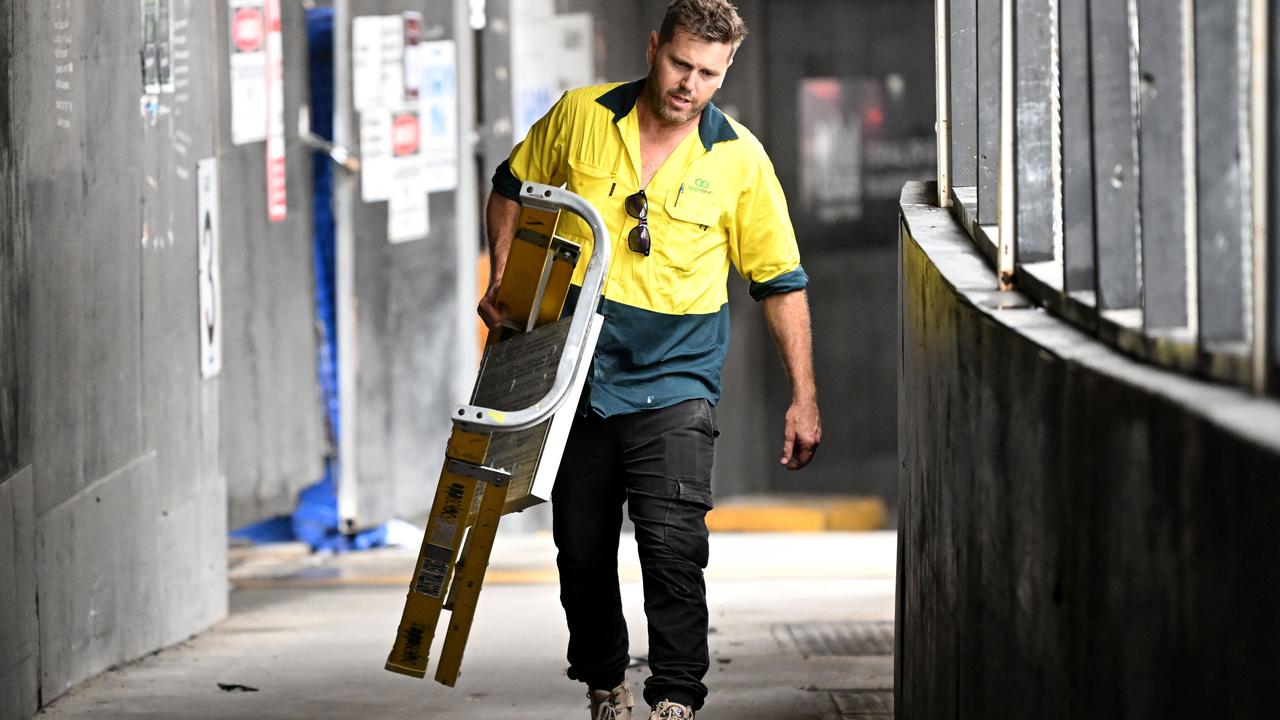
(788, 318)
(501, 216)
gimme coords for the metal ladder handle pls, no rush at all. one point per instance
(475, 418)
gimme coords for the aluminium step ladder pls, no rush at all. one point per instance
(499, 461)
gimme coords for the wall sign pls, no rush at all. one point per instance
(277, 205)
(248, 71)
(208, 276)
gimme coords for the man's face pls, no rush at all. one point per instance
(684, 73)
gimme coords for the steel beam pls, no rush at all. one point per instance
(963, 22)
(1115, 148)
(1161, 196)
(1077, 148)
(1034, 77)
(1222, 186)
(988, 95)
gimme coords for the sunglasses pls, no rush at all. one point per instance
(638, 208)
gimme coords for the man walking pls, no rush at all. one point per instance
(688, 192)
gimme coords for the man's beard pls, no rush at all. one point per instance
(658, 104)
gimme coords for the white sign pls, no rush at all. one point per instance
(407, 213)
(277, 205)
(389, 64)
(407, 205)
(209, 280)
(366, 62)
(375, 155)
(439, 110)
(248, 40)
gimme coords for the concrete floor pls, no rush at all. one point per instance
(795, 619)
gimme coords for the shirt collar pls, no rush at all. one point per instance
(713, 126)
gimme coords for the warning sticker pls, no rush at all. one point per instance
(248, 59)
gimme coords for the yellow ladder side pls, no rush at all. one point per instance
(524, 274)
(470, 580)
(429, 585)
(564, 258)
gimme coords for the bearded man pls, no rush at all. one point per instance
(688, 192)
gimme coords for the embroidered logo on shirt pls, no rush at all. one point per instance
(701, 185)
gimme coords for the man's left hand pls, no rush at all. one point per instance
(802, 434)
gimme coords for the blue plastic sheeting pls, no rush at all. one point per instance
(315, 518)
(320, 66)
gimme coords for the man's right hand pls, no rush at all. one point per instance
(490, 311)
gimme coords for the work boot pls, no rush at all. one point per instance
(667, 710)
(612, 704)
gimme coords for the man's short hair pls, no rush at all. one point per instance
(709, 20)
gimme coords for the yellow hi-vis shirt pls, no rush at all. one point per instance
(715, 201)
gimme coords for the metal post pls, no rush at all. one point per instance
(987, 98)
(1191, 186)
(1161, 165)
(1259, 118)
(942, 61)
(346, 187)
(467, 238)
(1007, 213)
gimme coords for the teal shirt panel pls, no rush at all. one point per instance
(647, 360)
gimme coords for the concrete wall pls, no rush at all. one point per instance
(271, 422)
(115, 455)
(1080, 535)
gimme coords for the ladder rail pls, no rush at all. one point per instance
(573, 360)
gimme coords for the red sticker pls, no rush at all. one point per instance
(246, 30)
(405, 134)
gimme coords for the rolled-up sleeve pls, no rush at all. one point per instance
(762, 241)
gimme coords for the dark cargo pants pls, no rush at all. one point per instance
(659, 462)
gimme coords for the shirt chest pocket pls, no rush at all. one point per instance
(594, 184)
(692, 234)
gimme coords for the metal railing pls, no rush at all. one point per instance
(1125, 185)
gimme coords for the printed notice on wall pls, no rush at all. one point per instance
(277, 205)
(366, 62)
(375, 155)
(248, 71)
(438, 99)
(407, 217)
(208, 280)
(389, 69)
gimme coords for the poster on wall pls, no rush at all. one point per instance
(438, 100)
(248, 73)
(208, 278)
(389, 62)
(277, 203)
(407, 217)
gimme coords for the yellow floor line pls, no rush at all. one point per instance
(549, 576)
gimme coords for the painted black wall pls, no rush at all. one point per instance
(1080, 535)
